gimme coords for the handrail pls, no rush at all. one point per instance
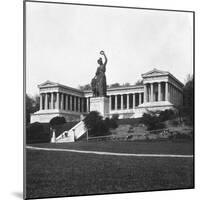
(61, 135)
(72, 131)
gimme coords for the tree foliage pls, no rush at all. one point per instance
(32, 105)
(37, 133)
(97, 126)
(152, 121)
(139, 82)
(113, 85)
(126, 84)
(188, 98)
(186, 111)
(57, 121)
(85, 87)
(167, 115)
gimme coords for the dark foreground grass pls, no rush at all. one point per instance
(147, 147)
(68, 174)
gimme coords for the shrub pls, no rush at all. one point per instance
(174, 122)
(37, 133)
(166, 115)
(57, 121)
(152, 121)
(92, 121)
(97, 126)
(113, 121)
(115, 117)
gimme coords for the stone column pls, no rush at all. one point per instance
(70, 103)
(79, 105)
(83, 101)
(127, 107)
(159, 91)
(122, 102)
(133, 100)
(110, 102)
(166, 91)
(41, 106)
(169, 92)
(151, 97)
(175, 95)
(62, 101)
(115, 102)
(75, 103)
(52, 100)
(82, 105)
(145, 93)
(66, 102)
(57, 100)
(140, 98)
(88, 104)
(46, 101)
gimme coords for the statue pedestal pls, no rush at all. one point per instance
(101, 105)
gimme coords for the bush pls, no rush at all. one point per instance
(97, 126)
(37, 133)
(113, 121)
(57, 121)
(174, 122)
(152, 121)
(166, 115)
(115, 117)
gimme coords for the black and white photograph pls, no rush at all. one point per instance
(109, 99)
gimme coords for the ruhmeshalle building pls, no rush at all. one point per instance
(160, 90)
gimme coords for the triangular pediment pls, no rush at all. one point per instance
(154, 72)
(47, 84)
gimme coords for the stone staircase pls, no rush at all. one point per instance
(72, 135)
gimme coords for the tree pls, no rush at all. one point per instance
(114, 85)
(85, 87)
(126, 84)
(188, 98)
(32, 105)
(37, 133)
(152, 121)
(139, 82)
(57, 121)
(95, 124)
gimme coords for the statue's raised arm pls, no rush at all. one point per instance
(106, 60)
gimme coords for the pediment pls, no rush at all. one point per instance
(47, 84)
(154, 72)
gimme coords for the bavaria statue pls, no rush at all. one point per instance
(98, 83)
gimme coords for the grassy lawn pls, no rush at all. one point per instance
(68, 174)
(157, 147)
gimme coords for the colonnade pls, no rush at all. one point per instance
(125, 101)
(162, 91)
(62, 101)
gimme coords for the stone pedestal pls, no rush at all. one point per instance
(100, 104)
(53, 139)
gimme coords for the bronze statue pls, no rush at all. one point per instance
(98, 83)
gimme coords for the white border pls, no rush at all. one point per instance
(12, 97)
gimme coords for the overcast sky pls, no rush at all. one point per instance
(64, 41)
